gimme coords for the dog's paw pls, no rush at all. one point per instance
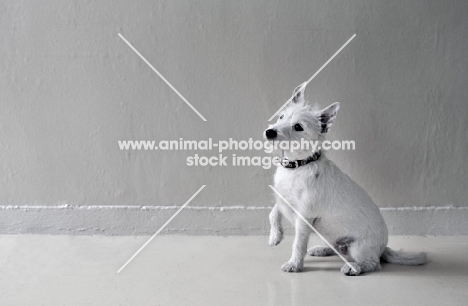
(320, 251)
(346, 270)
(275, 238)
(291, 267)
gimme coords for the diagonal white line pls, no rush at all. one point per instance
(159, 230)
(161, 76)
(313, 228)
(318, 71)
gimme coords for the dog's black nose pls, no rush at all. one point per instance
(270, 134)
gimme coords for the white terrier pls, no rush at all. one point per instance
(330, 200)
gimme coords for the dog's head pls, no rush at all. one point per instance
(300, 121)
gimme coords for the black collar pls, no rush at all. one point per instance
(297, 163)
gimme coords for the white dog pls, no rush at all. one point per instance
(330, 200)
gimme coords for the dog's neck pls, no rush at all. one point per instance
(291, 163)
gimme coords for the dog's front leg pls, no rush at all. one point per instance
(299, 249)
(276, 231)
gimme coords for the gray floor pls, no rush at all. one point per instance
(194, 270)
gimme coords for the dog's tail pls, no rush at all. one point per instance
(406, 259)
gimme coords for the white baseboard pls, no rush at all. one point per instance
(228, 220)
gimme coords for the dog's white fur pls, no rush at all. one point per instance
(328, 198)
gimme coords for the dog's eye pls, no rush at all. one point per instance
(298, 127)
(282, 116)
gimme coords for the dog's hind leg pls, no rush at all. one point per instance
(276, 231)
(320, 251)
(299, 249)
(365, 259)
(360, 267)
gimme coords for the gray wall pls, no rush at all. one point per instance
(71, 88)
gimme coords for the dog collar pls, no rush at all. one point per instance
(297, 163)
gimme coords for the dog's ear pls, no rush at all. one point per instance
(298, 93)
(327, 116)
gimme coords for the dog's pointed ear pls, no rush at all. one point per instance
(298, 93)
(327, 116)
